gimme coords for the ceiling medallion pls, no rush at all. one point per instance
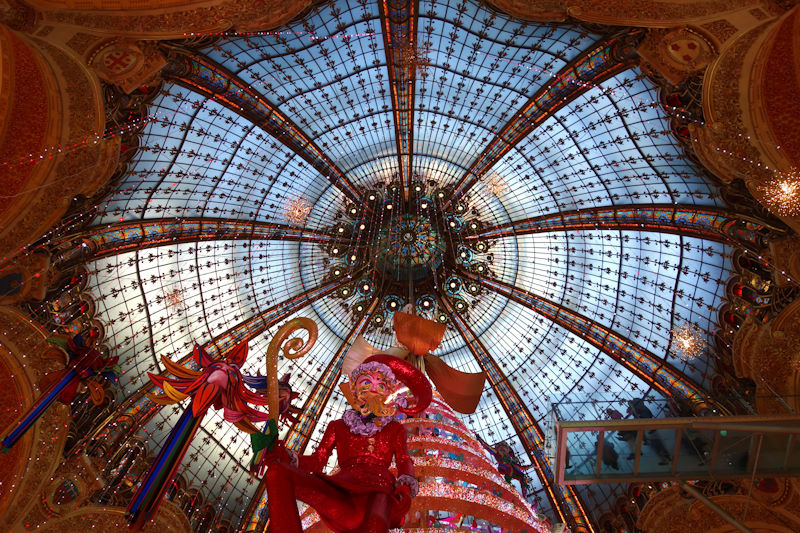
(412, 249)
(782, 193)
(687, 341)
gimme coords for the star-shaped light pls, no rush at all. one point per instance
(494, 183)
(414, 59)
(173, 298)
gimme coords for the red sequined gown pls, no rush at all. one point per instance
(359, 498)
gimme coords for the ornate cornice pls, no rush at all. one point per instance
(175, 22)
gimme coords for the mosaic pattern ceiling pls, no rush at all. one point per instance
(487, 155)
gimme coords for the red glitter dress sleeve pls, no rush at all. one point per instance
(401, 458)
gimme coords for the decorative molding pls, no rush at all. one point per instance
(127, 64)
(70, 102)
(673, 511)
(785, 259)
(25, 279)
(101, 518)
(157, 22)
(647, 13)
(677, 53)
(769, 354)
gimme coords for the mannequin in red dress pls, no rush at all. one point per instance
(364, 496)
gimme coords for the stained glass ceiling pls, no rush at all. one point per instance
(530, 145)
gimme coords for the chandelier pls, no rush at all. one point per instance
(782, 193)
(687, 342)
(297, 211)
(415, 59)
(494, 183)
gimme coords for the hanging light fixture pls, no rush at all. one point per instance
(687, 341)
(415, 59)
(297, 211)
(782, 193)
(173, 298)
(494, 183)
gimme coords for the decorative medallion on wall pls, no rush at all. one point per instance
(677, 54)
(126, 64)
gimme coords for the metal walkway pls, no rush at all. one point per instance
(655, 449)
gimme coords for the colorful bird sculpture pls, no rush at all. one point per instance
(219, 384)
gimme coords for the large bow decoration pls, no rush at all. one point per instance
(419, 336)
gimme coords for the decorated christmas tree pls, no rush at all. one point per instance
(460, 488)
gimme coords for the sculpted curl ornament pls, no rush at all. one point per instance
(364, 496)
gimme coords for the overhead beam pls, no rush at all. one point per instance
(650, 368)
(121, 237)
(399, 27)
(214, 81)
(563, 499)
(300, 432)
(711, 223)
(605, 59)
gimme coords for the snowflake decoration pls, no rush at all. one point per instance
(782, 193)
(687, 342)
(297, 211)
(494, 183)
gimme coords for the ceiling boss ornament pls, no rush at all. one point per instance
(411, 250)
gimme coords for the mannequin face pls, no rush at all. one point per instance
(371, 391)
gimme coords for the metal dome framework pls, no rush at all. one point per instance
(603, 235)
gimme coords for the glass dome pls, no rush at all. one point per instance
(518, 181)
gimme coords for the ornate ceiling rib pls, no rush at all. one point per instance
(399, 25)
(658, 374)
(214, 81)
(702, 222)
(565, 500)
(138, 408)
(299, 434)
(607, 58)
(123, 237)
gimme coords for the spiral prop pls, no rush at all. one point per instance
(293, 348)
